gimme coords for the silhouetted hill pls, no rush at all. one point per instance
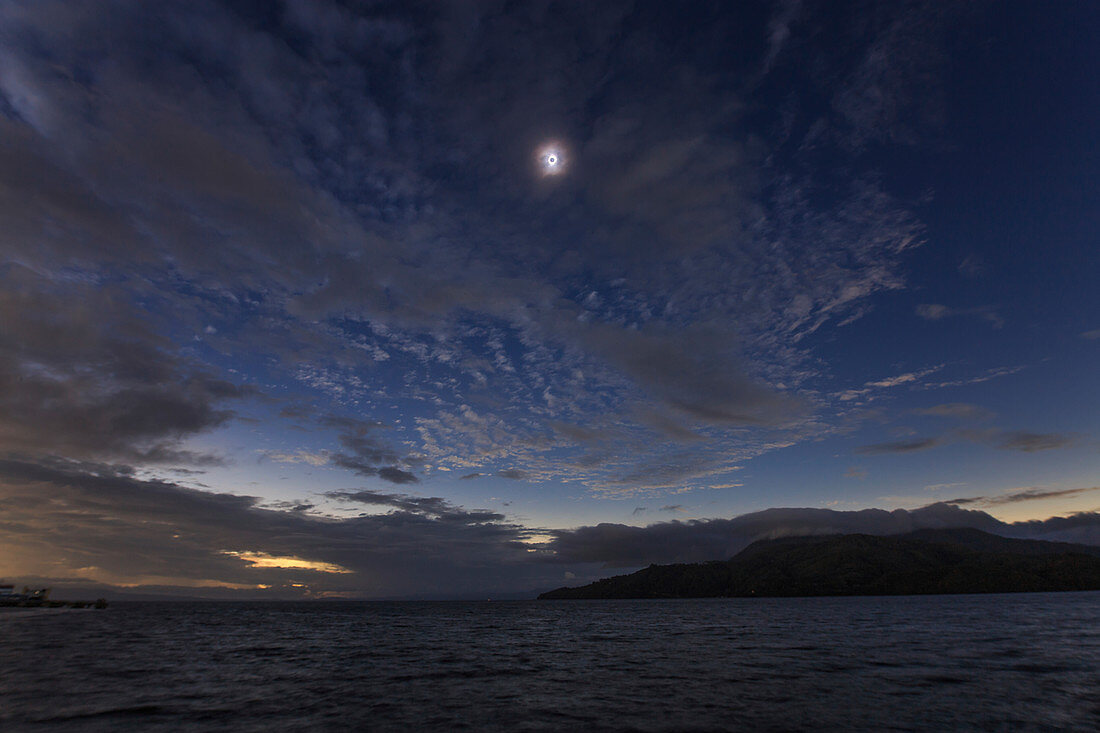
(925, 561)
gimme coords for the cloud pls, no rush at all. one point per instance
(906, 378)
(369, 454)
(618, 545)
(397, 476)
(943, 486)
(678, 472)
(888, 383)
(1032, 494)
(295, 412)
(933, 312)
(779, 30)
(364, 468)
(1091, 335)
(1032, 442)
(936, 312)
(686, 373)
(123, 530)
(338, 202)
(305, 192)
(299, 456)
(264, 560)
(972, 266)
(901, 446)
(985, 376)
(890, 94)
(1016, 440)
(429, 506)
(82, 376)
(956, 410)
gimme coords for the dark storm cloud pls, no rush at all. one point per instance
(430, 506)
(120, 529)
(82, 376)
(620, 545)
(397, 476)
(900, 446)
(350, 463)
(362, 467)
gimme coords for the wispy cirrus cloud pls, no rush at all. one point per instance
(1013, 440)
(956, 411)
(899, 446)
(298, 456)
(1029, 442)
(938, 312)
(987, 375)
(1023, 495)
(1018, 440)
(871, 387)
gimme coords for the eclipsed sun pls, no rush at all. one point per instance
(552, 159)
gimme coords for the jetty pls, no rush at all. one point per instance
(40, 598)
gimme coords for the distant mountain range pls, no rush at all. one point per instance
(921, 562)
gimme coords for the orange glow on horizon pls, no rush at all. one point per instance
(264, 560)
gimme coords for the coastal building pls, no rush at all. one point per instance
(7, 590)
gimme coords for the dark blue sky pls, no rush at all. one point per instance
(399, 299)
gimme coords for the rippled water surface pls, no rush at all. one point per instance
(1004, 662)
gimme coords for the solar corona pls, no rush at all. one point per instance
(551, 159)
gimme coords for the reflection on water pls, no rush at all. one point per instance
(903, 663)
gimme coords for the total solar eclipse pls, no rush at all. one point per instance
(552, 159)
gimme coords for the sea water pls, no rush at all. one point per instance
(981, 662)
